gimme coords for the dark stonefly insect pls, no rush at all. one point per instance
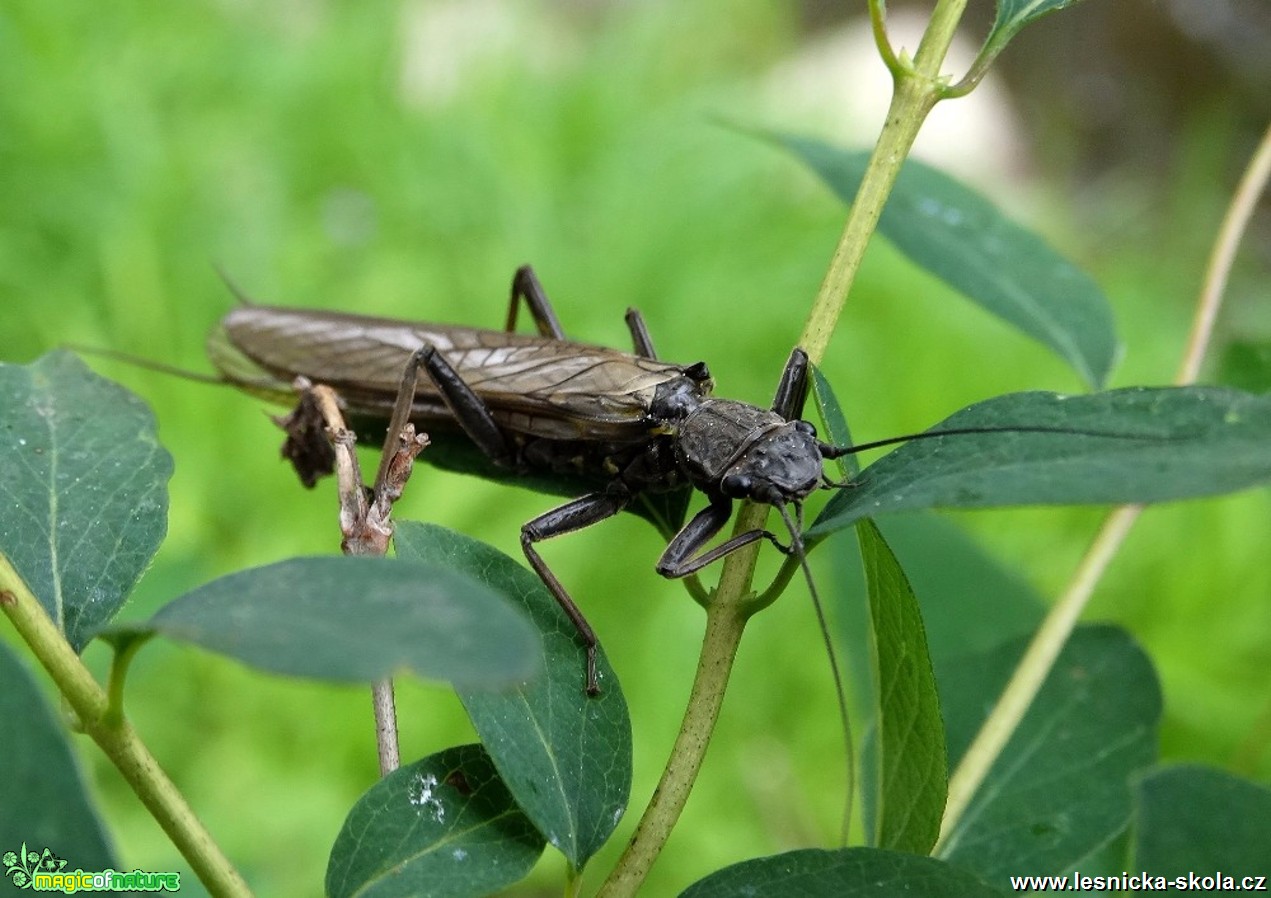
(615, 430)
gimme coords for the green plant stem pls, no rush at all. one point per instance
(125, 651)
(1055, 630)
(878, 22)
(384, 707)
(918, 89)
(116, 737)
(573, 882)
(724, 625)
(1253, 184)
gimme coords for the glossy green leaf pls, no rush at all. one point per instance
(1136, 445)
(836, 429)
(961, 238)
(564, 755)
(1196, 820)
(912, 776)
(1012, 15)
(83, 489)
(46, 803)
(445, 827)
(969, 603)
(845, 873)
(1060, 790)
(358, 619)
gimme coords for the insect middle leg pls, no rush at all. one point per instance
(583, 512)
(640, 338)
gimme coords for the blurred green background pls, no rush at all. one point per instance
(402, 158)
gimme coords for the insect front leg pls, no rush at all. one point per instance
(575, 515)
(687, 554)
(792, 392)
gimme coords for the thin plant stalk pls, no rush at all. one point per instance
(724, 625)
(917, 89)
(1039, 658)
(367, 526)
(115, 736)
(387, 745)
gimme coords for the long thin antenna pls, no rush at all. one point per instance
(829, 450)
(232, 285)
(840, 690)
(148, 364)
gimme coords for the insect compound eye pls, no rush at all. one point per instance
(805, 427)
(736, 486)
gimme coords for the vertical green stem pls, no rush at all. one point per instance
(116, 737)
(918, 89)
(724, 625)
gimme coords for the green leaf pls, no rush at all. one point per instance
(565, 756)
(912, 776)
(844, 873)
(836, 429)
(1193, 819)
(958, 236)
(46, 803)
(1061, 787)
(969, 601)
(1012, 15)
(358, 619)
(1137, 445)
(445, 826)
(83, 488)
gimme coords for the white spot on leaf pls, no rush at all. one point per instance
(422, 793)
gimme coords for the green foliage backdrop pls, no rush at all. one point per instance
(331, 154)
